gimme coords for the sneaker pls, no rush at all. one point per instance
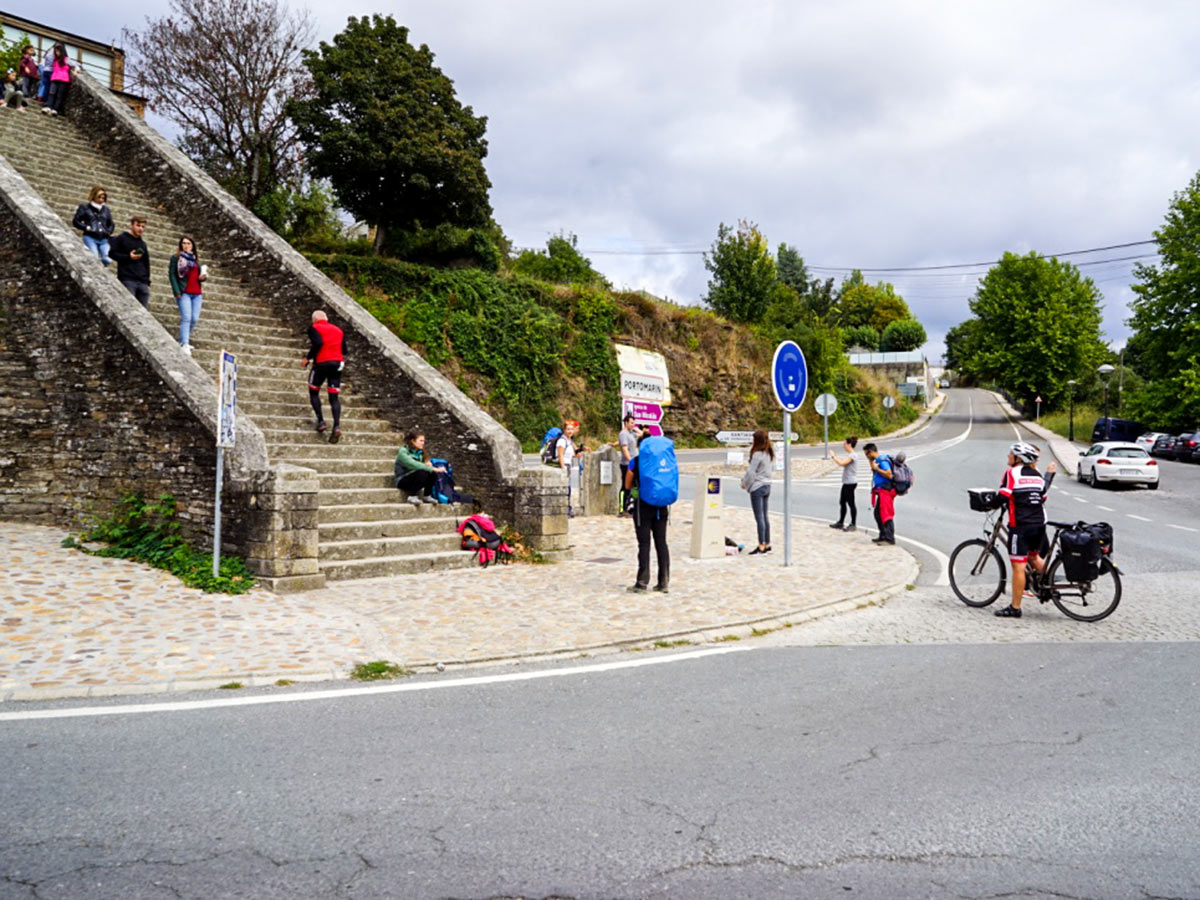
(186, 348)
(335, 436)
(756, 551)
(661, 588)
(414, 499)
(636, 589)
(850, 528)
(1009, 612)
(837, 525)
(47, 110)
(429, 500)
(321, 427)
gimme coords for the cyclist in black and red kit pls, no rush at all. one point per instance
(328, 357)
(1025, 489)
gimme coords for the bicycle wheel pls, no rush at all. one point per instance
(1089, 601)
(977, 573)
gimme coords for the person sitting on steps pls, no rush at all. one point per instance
(413, 474)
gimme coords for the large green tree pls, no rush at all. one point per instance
(876, 305)
(1166, 319)
(902, 335)
(744, 279)
(1038, 327)
(385, 128)
(790, 268)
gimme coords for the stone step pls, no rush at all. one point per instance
(353, 481)
(359, 496)
(327, 466)
(395, 510)
(387, 566)
(308, 437)
(375, 548)
(304, 424)
(308, 456)
(389, 528)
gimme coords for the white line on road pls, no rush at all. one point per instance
(1079, 500)
(943, 579)
(1181, 527)
(1105, 508)
(1139, 518)
(336, 694)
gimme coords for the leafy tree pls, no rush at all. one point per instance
(303, 216)
(10, 53)
(865, 304)
(385, 128)
(788, 317)
(961, 342)
(560, 263)
(1166, 319)
(1038, 327)
(744, 278)
(222, 72)
(790, 268)
(861, 336)
(902, 335)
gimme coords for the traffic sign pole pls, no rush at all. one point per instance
(787, 491)
(789, 379)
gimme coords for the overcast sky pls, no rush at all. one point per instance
(895, 134)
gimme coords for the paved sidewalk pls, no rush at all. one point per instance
(75, 625)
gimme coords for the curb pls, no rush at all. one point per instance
(729, 631)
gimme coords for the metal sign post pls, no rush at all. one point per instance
(826, 406)
(226, 432)
(789, 378)
(888, 402)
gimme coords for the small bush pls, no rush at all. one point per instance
(149, 533)
(378, 670)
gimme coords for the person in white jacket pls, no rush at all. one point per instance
(757, 481)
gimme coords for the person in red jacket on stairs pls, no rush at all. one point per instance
(327, 353)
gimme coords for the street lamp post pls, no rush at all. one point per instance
(1105, 370)
(1071, 415)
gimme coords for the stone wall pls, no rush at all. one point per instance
(393, 377)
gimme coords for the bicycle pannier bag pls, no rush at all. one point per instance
(1080, 553)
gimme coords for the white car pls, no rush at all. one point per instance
(1147, 440)
(1117, 462)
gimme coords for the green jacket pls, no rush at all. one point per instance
(409, 460)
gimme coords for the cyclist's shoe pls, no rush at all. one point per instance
(1009, 612)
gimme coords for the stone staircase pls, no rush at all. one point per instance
(366, 528)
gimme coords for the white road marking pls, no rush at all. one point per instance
(1139, 518)
(1105, 508)
(943, 579)
(336, 694)
(1182, 528)
(1079, 500)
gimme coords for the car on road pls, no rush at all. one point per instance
(1164, 447)
(1117, 462)
(1116, 430)
(1149, 439)
(1186, 446)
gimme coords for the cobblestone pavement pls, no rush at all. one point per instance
(77, 625)
(1154, 607)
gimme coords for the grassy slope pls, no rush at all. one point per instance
(532, 353)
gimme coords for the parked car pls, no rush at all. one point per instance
(1117, 462)
(1148, 439)
(1185, 447)
(1164, 447)
(1116, 430)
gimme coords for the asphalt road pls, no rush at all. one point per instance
(903, 771)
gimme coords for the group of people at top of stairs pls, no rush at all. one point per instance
(47, 84)
(184, 270)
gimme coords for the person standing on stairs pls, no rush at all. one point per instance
(328, 355)
(60, 81)
(28, 68)
(186, 274)
(95, 220)
(133, 260)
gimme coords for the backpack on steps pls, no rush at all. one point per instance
(657, 471)
(479, 534)
(443, 486)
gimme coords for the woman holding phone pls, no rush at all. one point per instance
(186, 274)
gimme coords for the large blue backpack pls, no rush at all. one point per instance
(658, 472)
(549, 446)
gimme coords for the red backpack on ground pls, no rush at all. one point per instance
(479, 534)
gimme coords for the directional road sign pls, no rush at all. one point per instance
(642, 387)
(889, 402)
(648, 413)
(789, 375)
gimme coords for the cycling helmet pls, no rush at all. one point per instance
(1024, 452)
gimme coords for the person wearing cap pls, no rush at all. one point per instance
(1025, 489)
(627, 441)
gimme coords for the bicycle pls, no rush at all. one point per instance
(978, 573)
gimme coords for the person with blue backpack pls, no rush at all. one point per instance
(655, 474)
(412, 473)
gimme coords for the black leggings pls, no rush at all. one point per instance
(416, 482)
(846, 501)
(650, 523)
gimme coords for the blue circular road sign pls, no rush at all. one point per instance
(789, 375)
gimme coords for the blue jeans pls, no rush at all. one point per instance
(189, 315)
(759, 501)
(44, 85)
(99, 246)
